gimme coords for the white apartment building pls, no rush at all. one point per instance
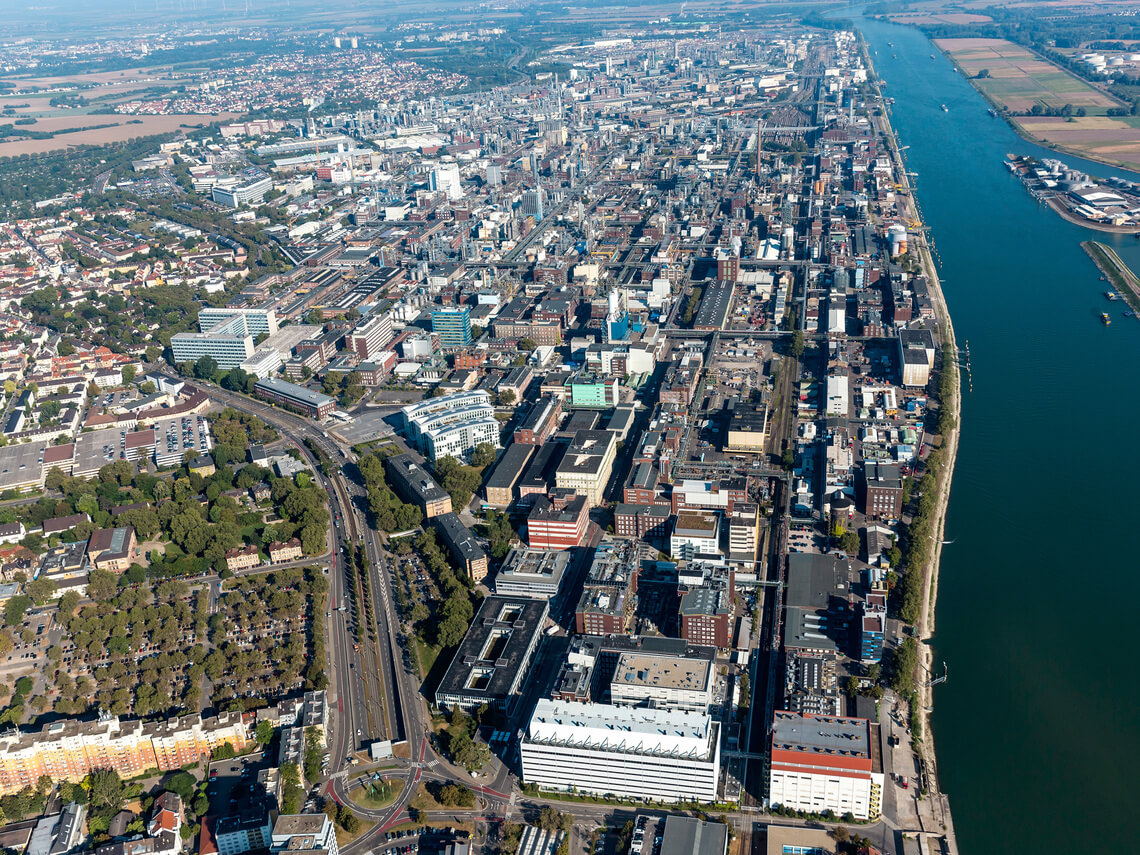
(306, 832)
(623, 751)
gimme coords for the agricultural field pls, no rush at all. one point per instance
(1018, 80)
(919, 19)
(99, 129)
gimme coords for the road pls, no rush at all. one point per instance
(372, 695)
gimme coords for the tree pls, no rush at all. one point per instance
(14, 609)
(451, 795)
(312, 756)
(291, 790)
(41, 590)
(849, 542)
(982, 74)
(105, 792)
(102, 585)
(788, 458)
(483, 455)
(206, 367)
(527, 344)
(263, 733)
(67, 604)
(507, 397)
(797, 347)
(182, 783)
(128, 373)
(552, 819)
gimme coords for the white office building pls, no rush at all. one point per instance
(445, 178)
(243, 190)
(225, 334)
(536, 573)
(452, 424)
(462, 434)
(622, 751)
(228, 342)
(265, 362)
(695, 533)
(257, 321)
(663, 682)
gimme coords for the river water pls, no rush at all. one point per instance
(1037, 729)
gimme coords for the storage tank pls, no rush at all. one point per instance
(896, 239)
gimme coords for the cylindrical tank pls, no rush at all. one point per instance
(896, 239)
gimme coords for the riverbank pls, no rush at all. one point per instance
(939, 817)
(1002, 111)
(1115, 270)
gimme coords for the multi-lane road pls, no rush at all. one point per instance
(373, 696)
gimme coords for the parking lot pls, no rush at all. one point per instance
(233, 783)
(428, 839)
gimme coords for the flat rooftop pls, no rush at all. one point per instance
(20, 464)
(666, 672)
(627, 730)
(534, 565)
(850, 737)
(494, 649)
(686, 835)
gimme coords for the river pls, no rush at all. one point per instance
(1037, 728)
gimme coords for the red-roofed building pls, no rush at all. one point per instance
(821, 762)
